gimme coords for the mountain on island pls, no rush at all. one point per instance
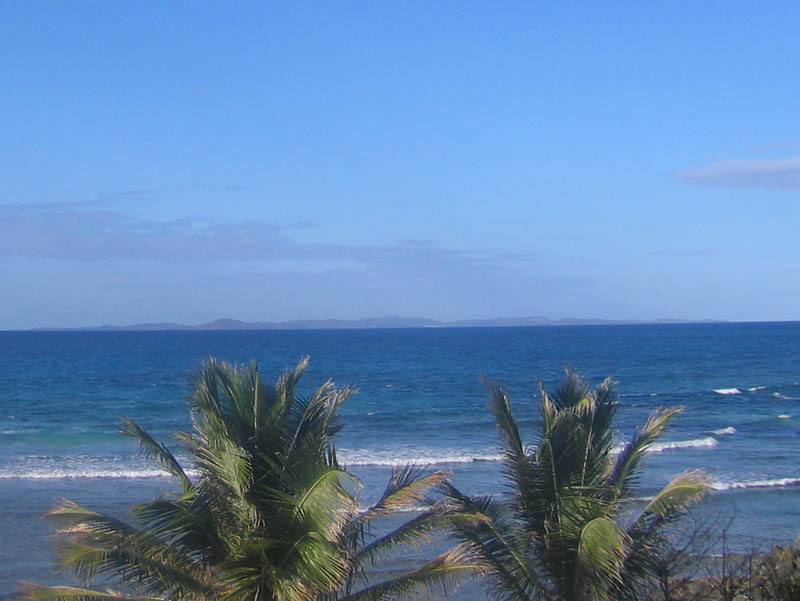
(370, 323)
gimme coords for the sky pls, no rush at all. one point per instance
(272, 161)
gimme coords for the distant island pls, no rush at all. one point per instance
(371, 323)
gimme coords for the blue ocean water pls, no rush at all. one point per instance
(420, 400)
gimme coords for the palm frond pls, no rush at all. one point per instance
(624, 473)
(407, 488)
(35, 592)
(571, 392)
(186, 522)
(510, 439)
(523, 480)
(445, 571)
(325, 503)
(91, 543)
(602, 547)
(419, 530)
(504, 549)
(155, 450)
(676, 496)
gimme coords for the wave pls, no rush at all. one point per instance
(723, 431)
(88, 469)
(783, 397)
(727, 391)
(695, 443)
(97, 473)
(390, 458)
(755, 388)
(784, 416)
(777, 482)
(660, 447)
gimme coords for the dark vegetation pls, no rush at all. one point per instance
(267, 514)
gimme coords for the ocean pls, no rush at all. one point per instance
(420, 400)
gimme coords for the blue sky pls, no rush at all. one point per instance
(190, 161)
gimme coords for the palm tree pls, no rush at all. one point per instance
(569, 531)
(268, 514)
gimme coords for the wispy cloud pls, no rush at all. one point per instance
(83, 232)
(417, 242)
(775, 174)
(147, 193)
(677, 253)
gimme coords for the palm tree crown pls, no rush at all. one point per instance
(267, 514)
(569, 531)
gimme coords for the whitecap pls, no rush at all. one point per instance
(754, 388)
(659, 447)
(784, 416)
(783, 397)
(727, 391)
(419, 457)
(695, 443)
(722, 431)
(777, 482)
(97, 473)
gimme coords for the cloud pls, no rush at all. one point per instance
(83, 232)
(774, 174)
(417, 242)
(148, 193)
(688, 253)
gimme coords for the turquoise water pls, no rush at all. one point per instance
(420, 400)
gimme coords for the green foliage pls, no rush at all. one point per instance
(563, 535)
(270, 515)
(777, 577)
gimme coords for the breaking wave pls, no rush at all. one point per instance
(660, 447)
(779, 482)
(695, 443)
(416, 457)
(723, 431)
(727, 391)
(90, 473)
(87, 467)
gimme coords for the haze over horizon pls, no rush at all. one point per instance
(175, 163)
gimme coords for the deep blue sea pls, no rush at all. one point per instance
(420, 400)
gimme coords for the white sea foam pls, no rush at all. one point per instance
(416, 457)
(39, 467)
(727, 391)
(783, 397)
(723, 431)
(695, 443)
(98, 473)
(754, 388)
(781, 482)
(660, 447)
(784, 416)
